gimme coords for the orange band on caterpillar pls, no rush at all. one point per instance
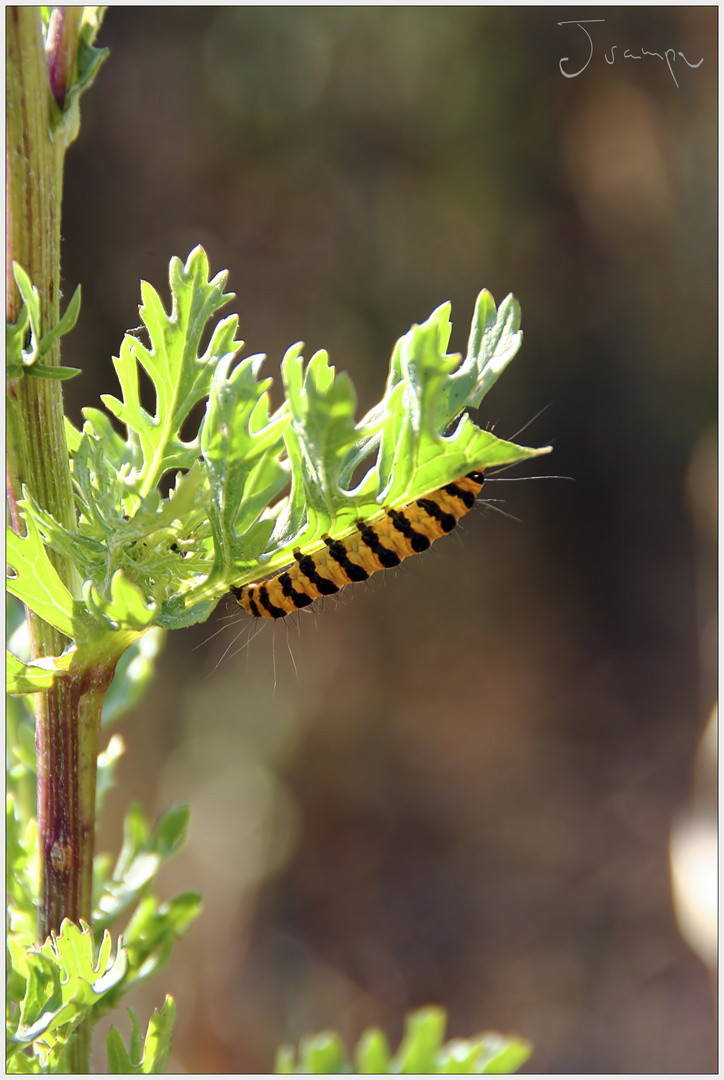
(370, 548)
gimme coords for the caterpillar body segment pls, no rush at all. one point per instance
(379, 546)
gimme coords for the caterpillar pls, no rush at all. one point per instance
(378, 546)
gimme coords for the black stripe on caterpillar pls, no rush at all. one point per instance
(378, 546)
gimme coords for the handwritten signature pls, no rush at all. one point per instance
(669, 55)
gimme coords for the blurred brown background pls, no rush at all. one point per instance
(462, 789)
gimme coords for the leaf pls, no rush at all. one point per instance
(87, 64)
(21, 763)
(38, 675)
(142, 854)
(424, 1033)
(64, 325)
(54, 372)
(372, 1054)
(170, 833)
(126, 608)
(407, 439)
(35, 580)
(23, 1064)
(179, 375)
(252, 485)
(285, 1060)
(21, 864)
(89, 58)
(503, 1054)
(495, 337)
(116, 455)
(103, 627)
(156, 1047)
(15, 334)
(82, 550)
(242, 447)
(323, 1053)
(136, 866)
(421, 1051)
(149, 939)
(21, 361)
(31, 304)
(65, 978)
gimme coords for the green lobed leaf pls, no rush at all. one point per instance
(81, 549)
(372, 1054)
(162, 545)
(31, 304)
(157, 543)
(421, 1051)
(35, 581)
(503, 1054)
(149, 939)
(149, 1055)
(21, 1064)
(285, 1061)
(54, 372)
(323, 1053)
(412, 441)
(21, 767)
(64, 325)
(459, 1057)
(251, 485)
(103, 627)
(65, 979)
(38, 675)
(179, 375)
(242, 446)
(89, 59)
(21, 860)
(124, 608)
(136, 866)
(424, 1034)
(27, 361)
(171, 830)
(15, 335)
(143, 852)
(118, 454)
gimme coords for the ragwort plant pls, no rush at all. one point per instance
(117, 536)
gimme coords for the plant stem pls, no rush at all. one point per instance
(37, 450)
(67, 715)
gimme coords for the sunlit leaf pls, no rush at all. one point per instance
(39, 675)
(66, 977)
(249, 485)
(35, 581)
(148, 1055)
(421, 1052)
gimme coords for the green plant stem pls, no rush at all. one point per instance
(37, 449)
(77, 1056)
(68, 715)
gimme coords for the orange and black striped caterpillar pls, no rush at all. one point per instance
(378, 546)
